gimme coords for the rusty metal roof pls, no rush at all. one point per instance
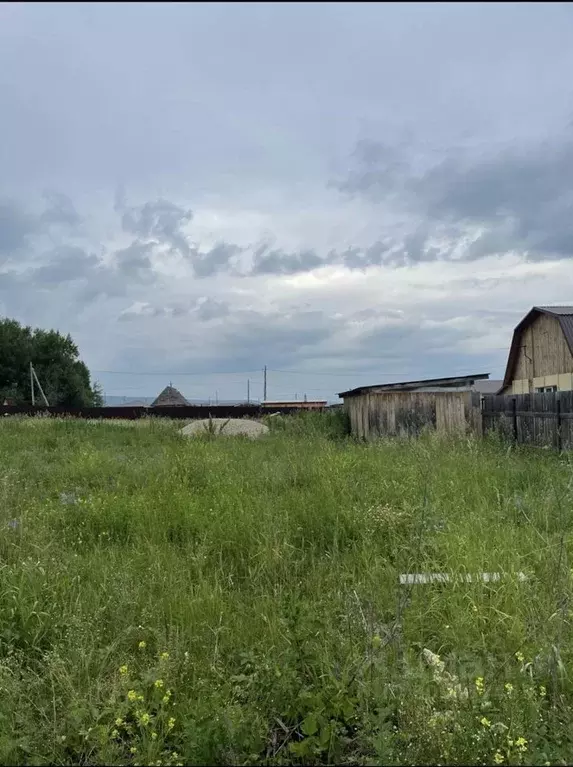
(409, 385)
(564, 314)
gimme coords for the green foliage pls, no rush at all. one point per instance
(172, 601)
(64, 377)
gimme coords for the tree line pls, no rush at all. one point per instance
(65, 379)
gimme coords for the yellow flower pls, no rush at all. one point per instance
(158, 683)
(164, 656)
(498, 757)
(132, 696)
(153, 735)
(167, 696)
(133, 750)
(376, 642)
(521, 744)
(114, 733)
(542, 691)
(123, 670)
(142, 645)
(520, 656)
(479, 685)
(508, 688)
(119, 721)
(144, 719)
(171, 723)
(485, 722)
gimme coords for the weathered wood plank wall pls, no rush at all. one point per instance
(409, 413)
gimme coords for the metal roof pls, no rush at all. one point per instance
(564, 315)
(409, 385)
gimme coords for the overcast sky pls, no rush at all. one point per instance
(357, 193)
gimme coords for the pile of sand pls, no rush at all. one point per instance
(225, 427)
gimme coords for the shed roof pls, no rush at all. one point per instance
(564, 314)
(409, 385)
(169, 397)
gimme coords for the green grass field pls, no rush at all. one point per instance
(220, 601)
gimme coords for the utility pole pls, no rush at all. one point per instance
(32, 385)
(265, 384)
(216, 397)
(248, 391)
(46, 403)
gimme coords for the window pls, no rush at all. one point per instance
(543, 389)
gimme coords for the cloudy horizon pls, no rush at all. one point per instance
(348, 194)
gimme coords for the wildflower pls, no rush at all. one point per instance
(164, 656)
(142, 645)
(144, 719)
(485, 722)
(158, 683)
(542, 691)
(521, 745)
(133, 750)
(498, 757)
(479, 685)
(376, 642)
(452, 693)
(153, 735)
(132, 696)
(114, 733)
(166, 697)
(433, 660)
(520, 656)
(123, 670)
(508, 688)
(118, 722)
(171, 723)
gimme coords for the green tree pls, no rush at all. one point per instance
(64, 377)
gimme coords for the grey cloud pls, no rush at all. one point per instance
(64, 264)
(161, 221)
(16, 227)
(135, 260)
(210, 309)
(218, 259)
(520, 198)
(60, 210)
(278, 262)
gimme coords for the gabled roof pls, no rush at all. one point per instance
(452, 381)
(564, 314)
(169, 397)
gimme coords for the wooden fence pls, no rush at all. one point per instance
(544, 420)
(189, 412)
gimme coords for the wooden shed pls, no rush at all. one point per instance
(446, 405)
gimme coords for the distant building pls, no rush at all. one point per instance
(541, 353)
(296, 404)
(169, 397)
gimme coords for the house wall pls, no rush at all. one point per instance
(543, 359)
(408, 413)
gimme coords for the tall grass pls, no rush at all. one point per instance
(226, 601)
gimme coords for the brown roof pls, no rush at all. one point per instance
(564, 314)
(169, 397)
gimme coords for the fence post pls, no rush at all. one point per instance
(558, 411)
(514, 417)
